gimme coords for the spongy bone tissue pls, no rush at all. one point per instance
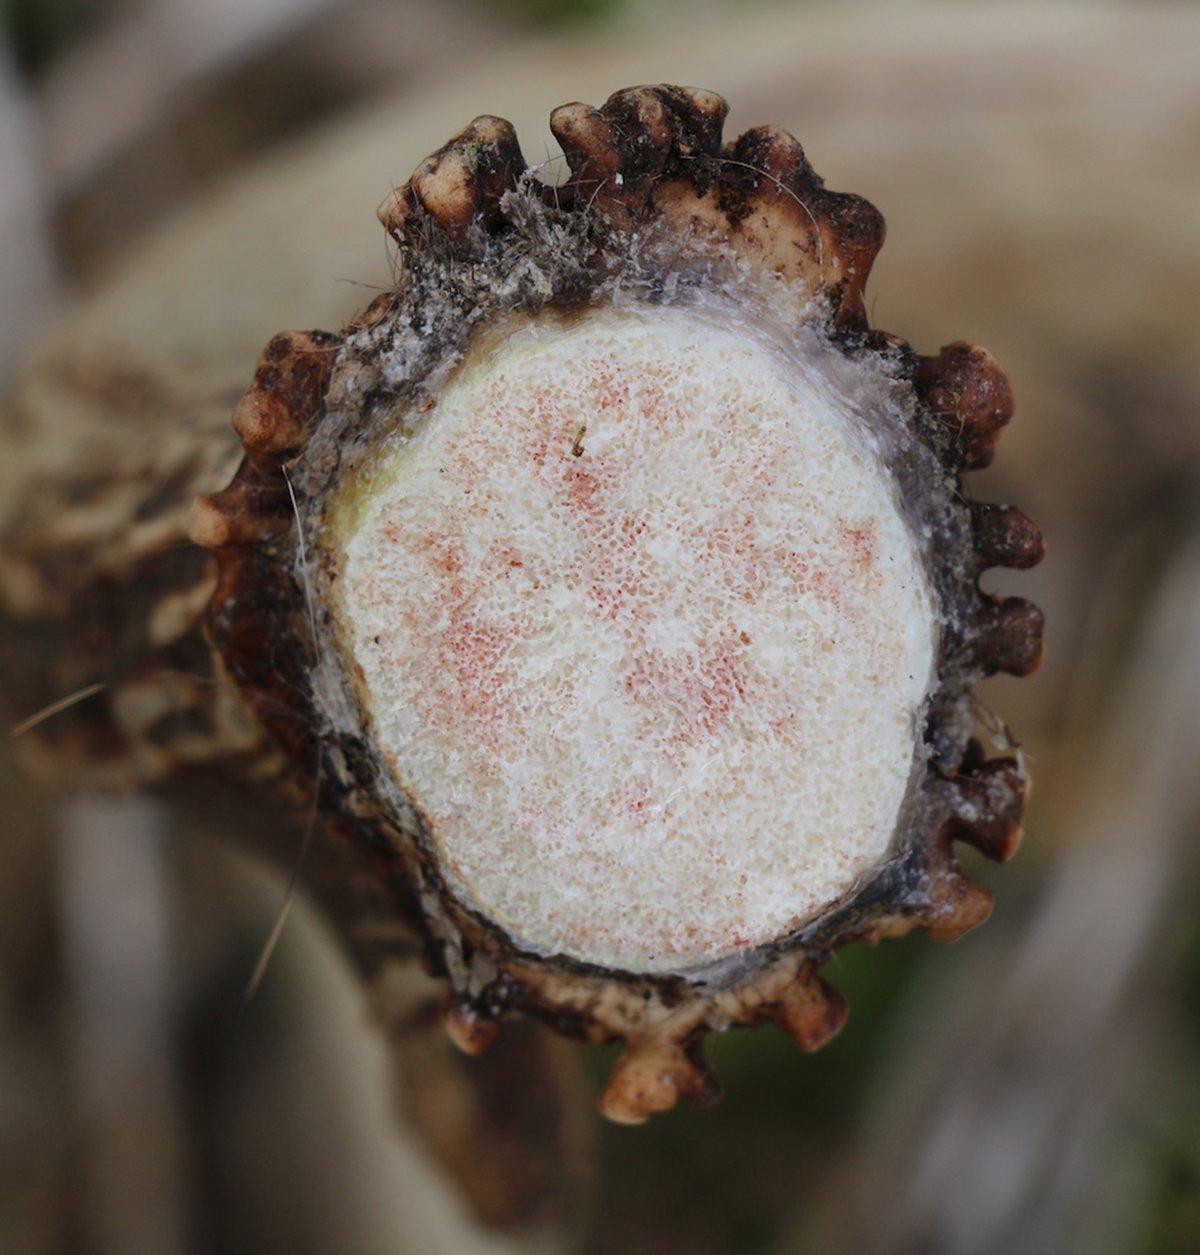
(644, 633)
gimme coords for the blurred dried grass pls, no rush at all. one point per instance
(1033, 1088)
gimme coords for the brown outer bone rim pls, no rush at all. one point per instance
(651, 156)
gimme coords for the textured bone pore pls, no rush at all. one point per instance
(644, 633)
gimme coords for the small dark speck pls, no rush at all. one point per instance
(376, 640)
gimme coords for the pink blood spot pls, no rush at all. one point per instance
(507, 557)
(610, 394)
(698, 693)
(825, 588)
(582, 489)
(863, 543)
(470, 680)
(633, 800)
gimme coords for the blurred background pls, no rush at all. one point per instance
(179, 179)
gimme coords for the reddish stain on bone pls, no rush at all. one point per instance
(825, 588)
(863, 543)
(582, 489)
(698, 693)
(610, 390)
(633, 800)
(470, 680)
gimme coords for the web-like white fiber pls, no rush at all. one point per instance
(643, 631)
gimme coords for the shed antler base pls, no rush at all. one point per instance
(620, 577)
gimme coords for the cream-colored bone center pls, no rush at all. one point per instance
(643, 633)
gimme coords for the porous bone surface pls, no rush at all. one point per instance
(644, 633)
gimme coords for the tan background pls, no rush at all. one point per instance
(180, 180)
